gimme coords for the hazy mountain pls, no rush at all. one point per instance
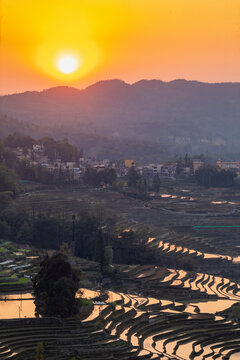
(98, 146)
(9, 125)
(184, 115)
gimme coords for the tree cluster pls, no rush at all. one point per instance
(52, 148)
(26, 170)
(212, 176)
(95, 177)
(8, 179)
(60, 149)
(16, 140)
(141, 185)
(50, 227)
(8, 188)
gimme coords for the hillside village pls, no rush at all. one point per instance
(73, 171)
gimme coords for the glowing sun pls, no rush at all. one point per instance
(68, 64)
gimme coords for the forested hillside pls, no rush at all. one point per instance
(181, 116)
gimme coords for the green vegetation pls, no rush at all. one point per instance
(140, 185)
(212, 176)
(19, 140)
(55, 287)
(20, 281)
(16, 274)
(59, 149)
(8, 188)
(132, 178)
(85, 302)
(46, 228)
(40, 351)
(53, 149)
(94, 177)
(25, 169)
(8, 180)
(156, 183)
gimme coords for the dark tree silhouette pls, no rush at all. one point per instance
(132, 178)
(211, 175)
(156, 183)
(55, 287)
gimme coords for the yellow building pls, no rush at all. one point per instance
(129, 163)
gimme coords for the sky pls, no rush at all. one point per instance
(47, 43)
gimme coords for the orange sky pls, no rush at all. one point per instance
(125, 39)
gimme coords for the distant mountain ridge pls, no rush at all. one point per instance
(184, 115)
(9, 125)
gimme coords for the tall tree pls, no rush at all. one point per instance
(8, 179)
(132, 177)
(156, 183)
(100, 248)
(40, 351)
(55, 287)
(19, 140)
(142, 186)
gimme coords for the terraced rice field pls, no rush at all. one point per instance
(172, 329)
(153, 312)
(183, 245)
(201, 243)
(199, 329)
(17, 266)
(136, 326)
